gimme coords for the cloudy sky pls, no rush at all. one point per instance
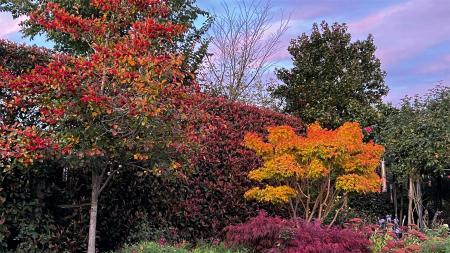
(412, 36)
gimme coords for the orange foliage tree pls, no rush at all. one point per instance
(315, 172)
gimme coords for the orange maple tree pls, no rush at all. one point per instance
(95, 110)
(315, 172)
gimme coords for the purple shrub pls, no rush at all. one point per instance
(315, 238)
(274, 235)
(261, 233)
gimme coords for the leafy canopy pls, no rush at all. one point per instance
(89, 107)
(333, 80)
(313, 169)
(416, 135)
(191, 43)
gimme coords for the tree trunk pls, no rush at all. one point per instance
(401, 204)
(419, 204)
(383, 176)
(96, 182)
(410, 200)
(439, 193)
(395, 198)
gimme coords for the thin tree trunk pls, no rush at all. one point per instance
(419, 204)
(439, 193)
(410, 200)
(395, 198)
(383, 176)
(401, 204)
(96, 181)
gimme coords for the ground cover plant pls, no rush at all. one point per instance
(153, 247)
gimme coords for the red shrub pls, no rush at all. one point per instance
(261, 233)
(268, 234)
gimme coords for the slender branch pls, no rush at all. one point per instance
(107, 180)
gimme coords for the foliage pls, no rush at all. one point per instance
(144, 205)
(440, 231)
(416, 134)
(211, 197)
(435, 245)
(273, 234)
(417, 144)
(181, 12)
(316, 170)
(384, 240)
(261, 233)
(333, 79)
(18, 59)
(97, 113)
(152, 247)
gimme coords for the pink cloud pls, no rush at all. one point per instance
(405, 30)
(9, 25)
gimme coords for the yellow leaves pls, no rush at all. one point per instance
(140, 157)
(175, 165)
(317, 169)
(359, 183)
(271, 194)
(278, 168)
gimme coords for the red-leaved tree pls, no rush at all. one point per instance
(97, 113)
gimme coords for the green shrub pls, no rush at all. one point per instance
(441, 231)
(436, 245)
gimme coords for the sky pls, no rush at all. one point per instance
(412, 36)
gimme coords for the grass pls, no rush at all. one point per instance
(153, 247)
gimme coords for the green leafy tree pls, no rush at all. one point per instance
(416, 137)
(192, 44)
(333, 80)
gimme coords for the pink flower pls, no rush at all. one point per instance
(368, 130)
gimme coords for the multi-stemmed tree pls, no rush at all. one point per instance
(97, 112)
(315, 172)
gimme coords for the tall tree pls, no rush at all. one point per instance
(244, 40)
(417, 144)
(192, 43)
(97, 112)
(333, 80)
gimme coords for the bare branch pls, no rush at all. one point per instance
(244, 40)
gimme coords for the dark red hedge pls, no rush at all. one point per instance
(217, 186)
